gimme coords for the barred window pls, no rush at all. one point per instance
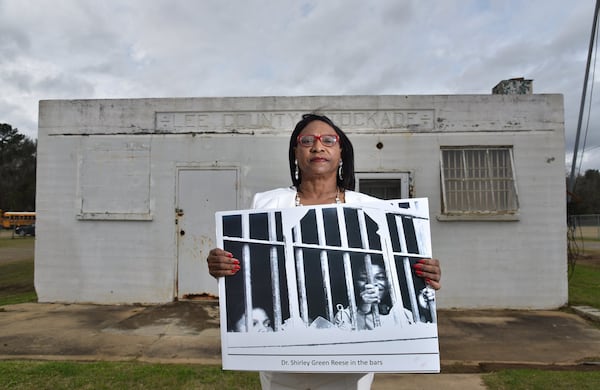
(478, 181)
(384, 185)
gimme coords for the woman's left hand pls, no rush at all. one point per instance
(429, 269)
(370, 294)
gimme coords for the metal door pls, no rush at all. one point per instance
(200, 193)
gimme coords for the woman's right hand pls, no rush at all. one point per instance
(370, 294)
(222, 263)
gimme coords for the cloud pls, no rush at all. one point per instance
(71, 49)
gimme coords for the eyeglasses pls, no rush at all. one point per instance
(309, 140)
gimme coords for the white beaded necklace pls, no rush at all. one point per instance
(337, 198)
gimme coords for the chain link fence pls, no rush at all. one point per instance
(586, 226)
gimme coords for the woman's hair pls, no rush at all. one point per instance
(348, 181)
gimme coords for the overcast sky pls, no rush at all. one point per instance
(87, 49)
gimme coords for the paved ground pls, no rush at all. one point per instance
(471, 342)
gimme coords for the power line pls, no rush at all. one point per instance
(583, 95)
(589, 112)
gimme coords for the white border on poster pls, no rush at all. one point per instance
(402, 348)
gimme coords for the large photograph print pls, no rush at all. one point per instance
(328, 288)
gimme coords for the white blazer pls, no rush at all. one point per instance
(280, 198)
(284, 198)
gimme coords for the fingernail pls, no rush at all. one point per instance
(428, 281)
(236, 261)
(229, 255)
(422, 261)
(233, 271)
(417, 265)
(420, 273)
(236, 267)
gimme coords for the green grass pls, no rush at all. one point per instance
(132, 375)
(16, 269)
(120, 375)
(530, 379)
(16, 282)
(6, 241)
(594, 239)
(584, 286)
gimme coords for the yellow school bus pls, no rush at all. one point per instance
(12, 219)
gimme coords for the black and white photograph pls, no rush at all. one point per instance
(329, 289)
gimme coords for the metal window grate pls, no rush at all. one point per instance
(312, 273)
(478, 180)
(382, 188)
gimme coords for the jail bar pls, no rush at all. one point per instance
(390, 270)
(247, 270)
(324, 264)
(390, 264)
(407, 270)
(347, 266)
(433, 310)
(424, 248)
(362, 224)
(411, 290)
(420, 234)
(297, 233)
(274, 273)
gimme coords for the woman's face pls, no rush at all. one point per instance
(318, 160)
(379, 280)
(260, 322)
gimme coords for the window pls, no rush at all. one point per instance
(114, 179)
(383, 185)
(478, 181)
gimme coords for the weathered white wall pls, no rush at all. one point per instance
(486, 264)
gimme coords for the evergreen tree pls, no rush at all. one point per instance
(17, 170)
(587, 193)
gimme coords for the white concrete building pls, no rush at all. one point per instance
(127, 189)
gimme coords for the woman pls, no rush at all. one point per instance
(321, 160)
(375, 306)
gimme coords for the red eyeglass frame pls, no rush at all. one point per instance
(318, 137)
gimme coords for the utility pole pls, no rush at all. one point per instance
(571, 186)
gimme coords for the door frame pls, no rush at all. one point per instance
(197, 166)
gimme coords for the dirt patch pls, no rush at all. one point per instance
(589, 259)
(195, 315)
(586, 252)
(10, 255)
(15, 249)
(494, 367)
